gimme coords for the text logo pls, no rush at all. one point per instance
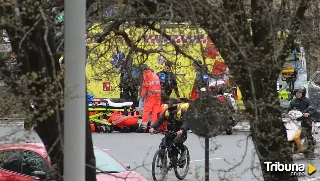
(294, 169)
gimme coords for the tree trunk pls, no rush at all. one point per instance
(268, 132)
(42, 82)
(90, 159)
(267, 129)
(51, 137)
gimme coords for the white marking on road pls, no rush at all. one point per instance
(204, 160)
(312, 179)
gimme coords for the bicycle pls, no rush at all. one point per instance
(164, 152)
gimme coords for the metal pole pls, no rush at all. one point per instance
(206, 158)
(75, 90)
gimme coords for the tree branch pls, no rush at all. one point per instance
(294, 28)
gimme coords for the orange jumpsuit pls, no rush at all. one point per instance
(151, 92)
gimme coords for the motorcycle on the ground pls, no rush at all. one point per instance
(228, 98)
(297, 134)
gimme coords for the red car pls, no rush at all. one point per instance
(30, 162)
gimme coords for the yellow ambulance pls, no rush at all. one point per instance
(102, 69)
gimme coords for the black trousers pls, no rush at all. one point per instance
(306, 124)
(178, 141)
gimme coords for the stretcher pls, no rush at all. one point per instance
(106, 106)
(109, 103)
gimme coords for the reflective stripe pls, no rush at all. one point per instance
(154, 82)
(119, 120)
(154, 91)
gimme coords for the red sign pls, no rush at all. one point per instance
(106, 86)
(219, 68)
(211, 51)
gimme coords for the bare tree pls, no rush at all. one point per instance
(31, 30)
(245, 33)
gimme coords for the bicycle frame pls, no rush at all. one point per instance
(169, 146)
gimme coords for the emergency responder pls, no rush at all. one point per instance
(201, 75)
(151, 96)
(168, 81)
(129, 85)
(176, 121)
(90, 98)
(303, 104)
(201, 80)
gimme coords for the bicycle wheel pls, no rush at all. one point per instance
(160, 161)
(184, 165)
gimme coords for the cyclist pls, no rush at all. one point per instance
(176, 121)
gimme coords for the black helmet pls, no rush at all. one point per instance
(144, 67)
(171, 102)
(303, 90)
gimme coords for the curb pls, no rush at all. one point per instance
(11, 123)
(312, 179)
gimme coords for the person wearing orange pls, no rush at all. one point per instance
(151, 94)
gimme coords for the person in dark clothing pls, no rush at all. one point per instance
(129, 85)
(168, 81)
(201, 75)
(176, 121)
(303, 104)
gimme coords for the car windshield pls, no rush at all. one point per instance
(106, 163)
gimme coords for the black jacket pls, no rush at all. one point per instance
(169, 83)
(173, 123)
(301, 104)
(129, 81)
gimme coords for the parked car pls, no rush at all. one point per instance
(30, 162)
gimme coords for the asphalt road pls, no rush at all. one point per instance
(231, 158)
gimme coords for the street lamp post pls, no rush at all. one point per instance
(74, 92)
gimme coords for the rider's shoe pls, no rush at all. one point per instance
(183, 159)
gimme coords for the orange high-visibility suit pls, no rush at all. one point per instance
(151, 93)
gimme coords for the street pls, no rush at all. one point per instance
(232, 157)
